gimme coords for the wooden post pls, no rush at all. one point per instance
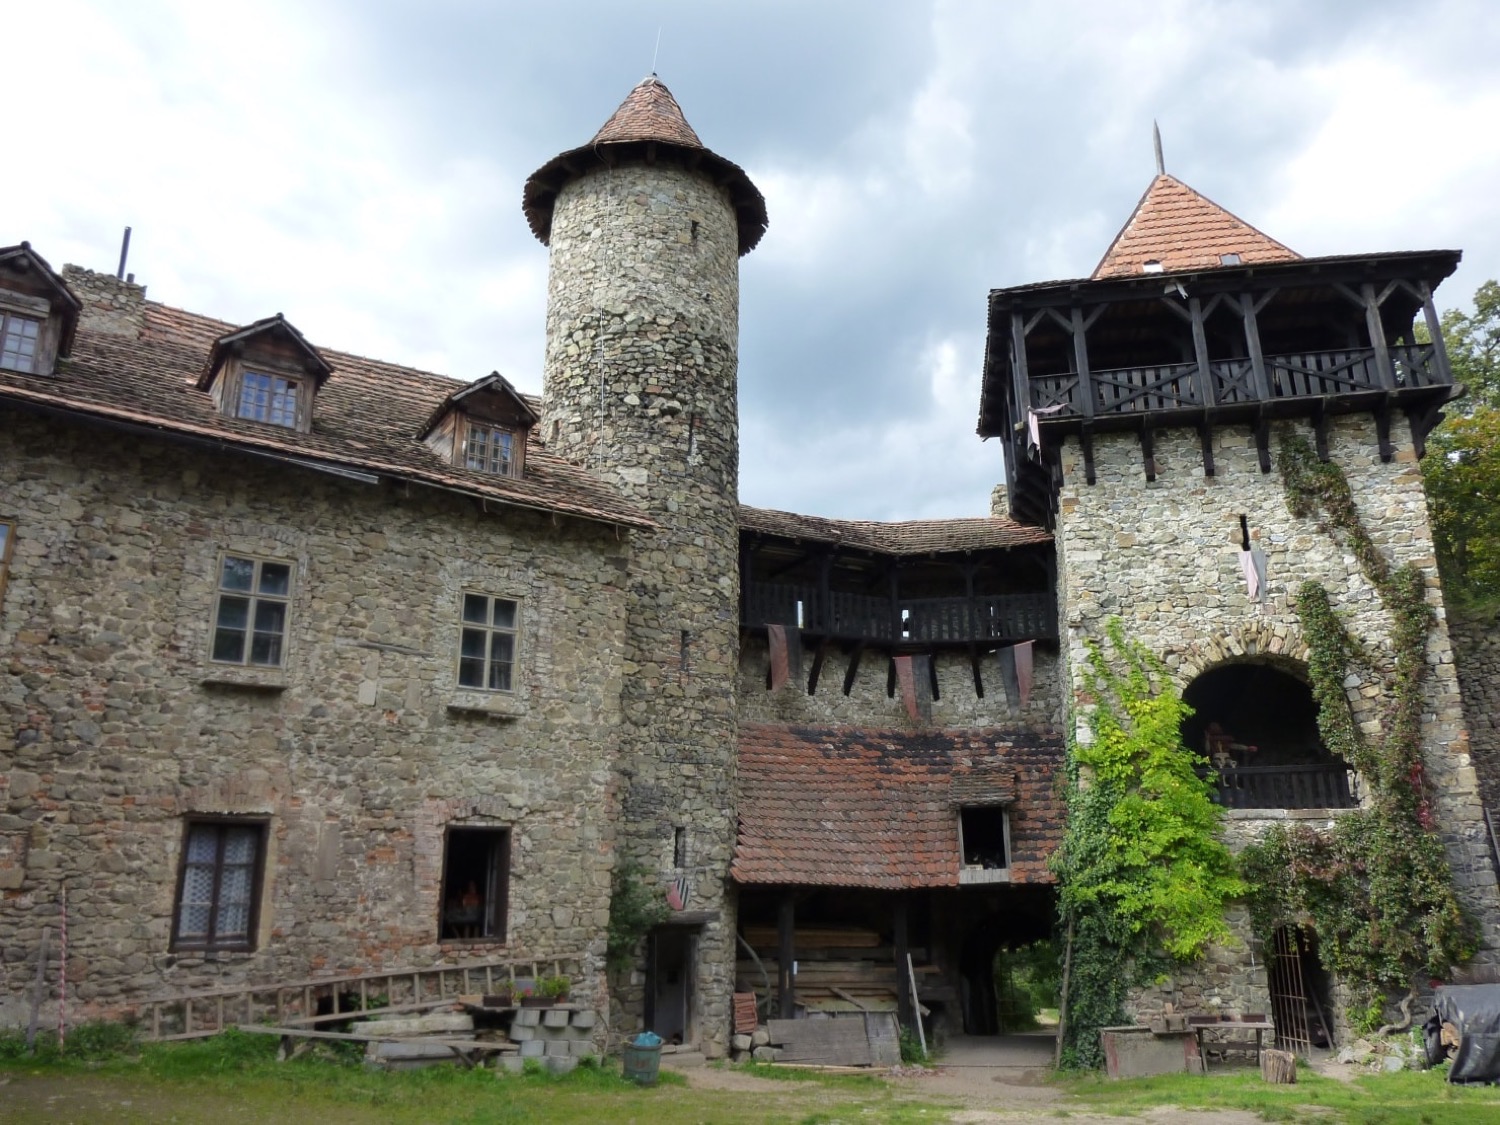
(1020, 375)
(786, 919)
(1206, 396)
(1081, 359)
(904, 1009)
(1376, 327)
(1248, 308)
(1435, 332)
(1062, 997)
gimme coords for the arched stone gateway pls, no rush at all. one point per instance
(1256, 721)
(1263, 639)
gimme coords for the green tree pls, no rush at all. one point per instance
(1462, 470)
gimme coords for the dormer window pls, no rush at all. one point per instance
(265, 373)
(20, 339)
(268, 398)
(38, 313)
(1152, 266)
(1230, 260)
(482, 428)
(490, 449)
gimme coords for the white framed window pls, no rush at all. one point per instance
(218, 884)
(487, 643)
(268, 397)
(491, 449)
(250, 611)
(20, 341)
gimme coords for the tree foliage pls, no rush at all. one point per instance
(1462, 469)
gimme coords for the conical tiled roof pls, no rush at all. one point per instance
(648, 125)
(1174, 225)
(648, 113)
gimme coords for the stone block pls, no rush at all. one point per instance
(443, 1023)
(559, 1064)
(557, 1047)
(528, 1017)
(585, 1017)
(533, 1048)
(523, 1034)
(582, 1047)
(514, 1064)
(760, 1037)
(766, 1054)
(740, 1043)
(555, 1017)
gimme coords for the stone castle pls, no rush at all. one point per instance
(319, 668)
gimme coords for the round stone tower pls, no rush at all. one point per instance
(646, 227)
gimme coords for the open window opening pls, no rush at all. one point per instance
(1257, 724)
(984, 843)
(476, 884)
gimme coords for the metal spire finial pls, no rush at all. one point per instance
(1161, 165)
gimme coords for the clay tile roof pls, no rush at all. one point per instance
(1179, 228)
(908, 537)
(648, 113)
(648, 125)
(365, 417)
(846, 807)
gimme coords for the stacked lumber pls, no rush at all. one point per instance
(822, 981)
(809, 938)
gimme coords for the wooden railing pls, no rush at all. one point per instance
(1322, 785)
(864, 617)
(1178, 386)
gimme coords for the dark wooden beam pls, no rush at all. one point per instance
(1248, 308)
(932, 676)
(1383, 431)
(890, 677)
(1086, 440)
(1148, 452)
(1263, 442)
(1423, 420)
(786, 933)
(1081, 360)
(900, 948)
(1321, 425)
(1206, 442)
(853, 669)
(1206, 396)
(1376, 328)
(974, 666)
(1435, 333)
(819, 654)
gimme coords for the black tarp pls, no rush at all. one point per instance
(1474, 1009)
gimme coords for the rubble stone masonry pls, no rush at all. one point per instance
(641, 365)
(359, 752)
(1163, 556)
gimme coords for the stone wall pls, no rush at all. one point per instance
(359, 753)
(1476, 647)
(641, 365)
(1163, 556)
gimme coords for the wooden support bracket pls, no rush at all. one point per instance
(1148, 452)
(817, 666)
(1263, 442)
(1206, 441)
(853, 669)
(1423, 421)
(1321, 423)
(1383, 431)
(974, 666)
(1086, 440)
(932, 677)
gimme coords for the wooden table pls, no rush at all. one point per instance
(1260, 1027)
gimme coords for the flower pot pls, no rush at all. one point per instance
(536, 1002)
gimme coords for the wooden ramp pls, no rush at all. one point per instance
(308, 1003)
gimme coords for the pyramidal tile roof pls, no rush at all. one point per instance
(1183, 230)
(648, 113)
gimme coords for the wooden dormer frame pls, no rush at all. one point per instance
(271, 350)
(31, 292)
(490, 403)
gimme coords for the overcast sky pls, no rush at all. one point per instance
(358, 165)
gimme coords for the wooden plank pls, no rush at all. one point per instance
(785, 977)
(506, 1047)
(836, 1041)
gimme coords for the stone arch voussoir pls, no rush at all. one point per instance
(1264, 640)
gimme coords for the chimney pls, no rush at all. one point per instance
(110, 305)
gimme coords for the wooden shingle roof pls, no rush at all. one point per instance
(906, 537)
(1183, 230)
(366, 416)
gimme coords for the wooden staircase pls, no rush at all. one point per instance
(309, 1003)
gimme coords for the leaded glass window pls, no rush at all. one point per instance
(218, 892)
(20, 340)
(268, 398)
(490, 450)
(250, 614)
(487, 643)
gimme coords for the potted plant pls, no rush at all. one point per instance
(554, 988)
(529, 998)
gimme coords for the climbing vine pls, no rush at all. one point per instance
(635, 906)
(1143, 874)
(1376, 889)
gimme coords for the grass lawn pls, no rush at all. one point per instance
(236, 1079)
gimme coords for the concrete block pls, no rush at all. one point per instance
(586, 1017)
(560, 1064)
(555, 1017)
(766, 1054)
(555, 1047)
(533, 1048)
(522, 1034)
(581, 1047)
(514, 1064)
(528, 1017)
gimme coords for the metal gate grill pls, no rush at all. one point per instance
(1290, 998)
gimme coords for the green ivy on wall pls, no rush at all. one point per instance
(1376, 889)
(1143, 876)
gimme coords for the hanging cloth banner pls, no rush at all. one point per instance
(1253, 564)
(1033, 431)
(780, 673)
(907, 678)
(1023, 670)
(1006, 658)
